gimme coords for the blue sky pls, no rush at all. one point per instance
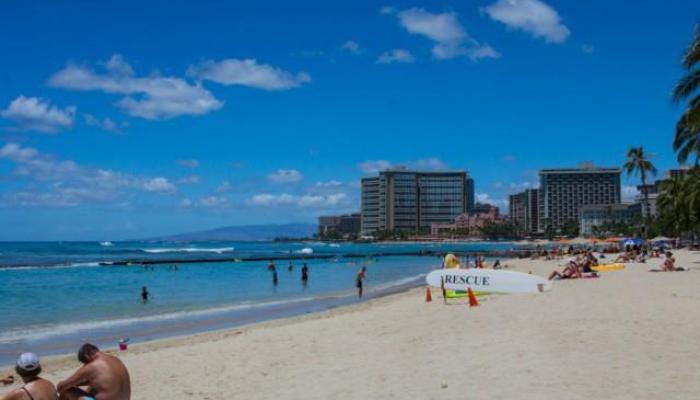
(131, 119)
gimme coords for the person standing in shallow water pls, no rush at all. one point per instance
(145, 294)
(359, 281)
(304, 274)
(275, 280)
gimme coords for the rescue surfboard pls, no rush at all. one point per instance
(488, 280)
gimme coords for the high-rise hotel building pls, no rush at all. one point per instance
(523, 210)
(563, 192)
(399, 199)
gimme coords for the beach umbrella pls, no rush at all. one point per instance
(661, 239)
(614, 239)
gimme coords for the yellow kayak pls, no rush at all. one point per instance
(608, 267)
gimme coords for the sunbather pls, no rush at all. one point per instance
(104, 376)
(571, 271)
(35, 388)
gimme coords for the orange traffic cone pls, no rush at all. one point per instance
(428, 295)
(473, 302)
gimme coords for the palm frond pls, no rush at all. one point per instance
(687, 85)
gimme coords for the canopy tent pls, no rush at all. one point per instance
(661, 239)
(632, 242)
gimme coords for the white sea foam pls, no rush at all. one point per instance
(57, 266)
(305, 250)
(398, 282)
(106, 244)
(217, 250)
(49, 331)
(334, 245)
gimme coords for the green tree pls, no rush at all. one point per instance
(687, 140)
(676, 205)
(638, 163)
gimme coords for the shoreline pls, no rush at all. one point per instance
(156, 328)
(629, 334)
(353, 305)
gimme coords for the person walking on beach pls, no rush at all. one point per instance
(145, 294)
(304, 274)
(105, 377)
(359, 280)
(290, 268)
(35, 388)
(271, 266)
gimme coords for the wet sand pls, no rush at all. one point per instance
(630, 334)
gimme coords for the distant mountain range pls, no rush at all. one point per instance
(245, 233)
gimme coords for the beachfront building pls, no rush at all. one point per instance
(564, 192)
(410, 201)
(467, 225)
(607, 215)
(485, 208)
(654, 189)
(339, 225)
(523, 210)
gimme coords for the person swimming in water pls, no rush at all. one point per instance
(359, 280)
(145, 294)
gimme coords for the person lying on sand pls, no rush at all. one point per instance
(104, 376)
(625, 257)
(669, 265)
(35, 388)
(571, 271)
(8, 381)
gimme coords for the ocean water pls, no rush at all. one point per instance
(54, 296)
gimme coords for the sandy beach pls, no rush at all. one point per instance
(630, 334)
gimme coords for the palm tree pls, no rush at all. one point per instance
(687, 140)
(638, 163)
(675, 205)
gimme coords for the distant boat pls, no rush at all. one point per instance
(106, 244)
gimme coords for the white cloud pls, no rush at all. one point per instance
(629, 193)
(224, 187)
(425, 164)
(396, 55)
(65, 183)
(352, 47)
(450, 37)
(214, 202)
(532, 16)
(485, 198)
(374, 166)
(189, 180)
(159, 185)
(188, 163)
(430, 164)
(106, 124)
(35, 114)
(329, 184)
(152, 97)
(247, 73)
(301, 201)
(285, 176)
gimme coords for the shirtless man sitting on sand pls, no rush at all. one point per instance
(35, 388)
(105, 378)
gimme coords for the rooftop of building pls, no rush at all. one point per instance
(583, 170)
(613, 207)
